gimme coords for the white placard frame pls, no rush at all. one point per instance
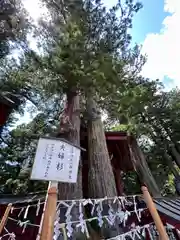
(56, 160)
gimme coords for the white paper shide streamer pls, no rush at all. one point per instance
(69, 218)
(133, 234)
(121, 214)
(82, 222)
(57, 226)
(111, 216)
(23, 225)
(38, 207)
(99, 210)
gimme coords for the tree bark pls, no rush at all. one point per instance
(70, 129)
(101, 177)
(175, 155)
(170, 164)
(169, 145)
(119, 181)
(101, 180)
(167, 157)
(168, 132)
(142, 168)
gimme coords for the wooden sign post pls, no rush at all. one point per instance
(56, 160)
(154, 213)
(47, 228)
(5, 217)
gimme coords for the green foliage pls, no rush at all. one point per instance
(153, 116)
(14, 26)
(89, 50)
(18, 150)
(131, 185)
(169, 188)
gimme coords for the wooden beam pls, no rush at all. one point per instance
(116, 138)
(5, 217)
(48, 218)
(154, 213)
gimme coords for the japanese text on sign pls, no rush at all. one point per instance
(56, 160)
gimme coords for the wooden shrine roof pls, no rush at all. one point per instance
(169, 208)
(8, 101)
(5, 199)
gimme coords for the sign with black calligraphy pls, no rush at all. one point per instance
(55, 160)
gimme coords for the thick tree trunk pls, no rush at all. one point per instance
(101, 180)
(101, 177)
(70, 129)
(142, 168)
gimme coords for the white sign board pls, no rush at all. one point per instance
(55, 160)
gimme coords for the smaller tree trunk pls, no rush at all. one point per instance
(175, 155)
(119, 181)
(167, 156)
(142, 168)
(169, 134)
(170, 164)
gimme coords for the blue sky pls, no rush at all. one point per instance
(148, 20)
(156, 27)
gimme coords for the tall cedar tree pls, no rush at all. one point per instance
(89, 54)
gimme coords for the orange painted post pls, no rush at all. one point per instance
(47, 228)
(5, 217)
(154, 213)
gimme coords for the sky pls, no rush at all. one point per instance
(156, 27)
(159, 34)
